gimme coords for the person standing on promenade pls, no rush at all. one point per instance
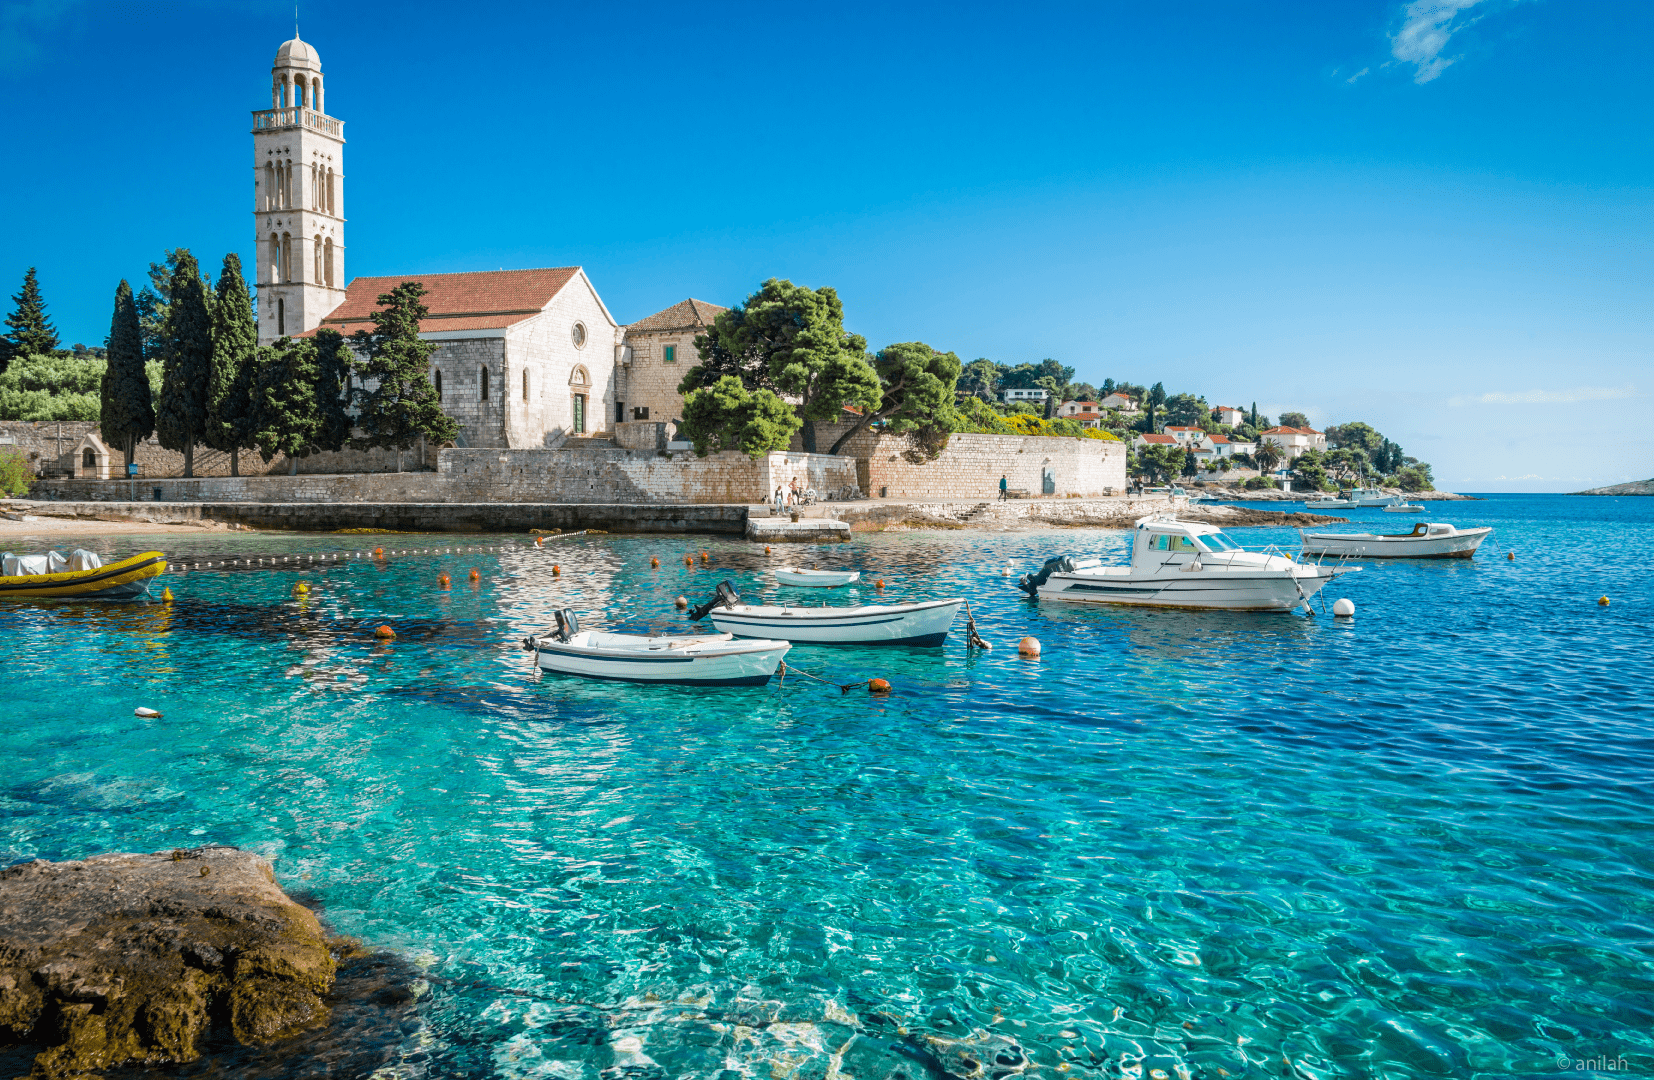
(1002, 496)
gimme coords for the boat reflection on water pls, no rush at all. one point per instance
(1195, 636)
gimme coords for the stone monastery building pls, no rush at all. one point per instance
(525, 358)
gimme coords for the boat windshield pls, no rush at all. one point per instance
(1219, 542)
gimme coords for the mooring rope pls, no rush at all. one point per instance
(844, 688)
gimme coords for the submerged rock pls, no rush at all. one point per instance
(981, 1055)
(136, 959)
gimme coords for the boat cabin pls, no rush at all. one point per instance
(1161, 541)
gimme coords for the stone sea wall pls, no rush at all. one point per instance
(971, 465)
(516, 476)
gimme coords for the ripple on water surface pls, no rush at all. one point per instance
(1411, 844)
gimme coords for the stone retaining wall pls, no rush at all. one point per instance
(512, 476)
(971, 465)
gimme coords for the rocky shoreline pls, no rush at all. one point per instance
(1635, 487)
(1056, 513)
(158, 959)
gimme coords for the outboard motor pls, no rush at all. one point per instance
(567, 625)
(1030, 583)
(724, 596)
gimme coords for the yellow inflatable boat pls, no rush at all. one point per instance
(122, 580)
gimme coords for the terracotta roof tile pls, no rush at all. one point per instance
(1167, 439)
(484, 300)
(684, 315)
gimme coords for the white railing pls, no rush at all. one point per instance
(297, 116)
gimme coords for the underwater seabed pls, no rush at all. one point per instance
(1211, 844)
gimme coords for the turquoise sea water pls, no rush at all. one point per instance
(1416, 843)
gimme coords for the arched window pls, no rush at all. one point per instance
(298, 91)
(436, 380)
(275, 258)
(286, 257)
(320, 101)
(317, 245)
(281, 318)
(485, 384)
(287, 193)
(88, 458)
(327, 262)
(525, 384)
(332, 207)
(268, 202)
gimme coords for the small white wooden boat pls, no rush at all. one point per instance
(922, 624)
(705, 660)
(1404, 508)
(1428, 540)
(815, 579)
(1184, 564)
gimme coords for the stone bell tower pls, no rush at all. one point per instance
(298, 192)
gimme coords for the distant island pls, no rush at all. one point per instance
(1635, 487)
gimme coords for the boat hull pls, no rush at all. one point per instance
(752, 666)
(124, 580)
(1207, 590)
(1458, 545)
(922, 625)
(817, 579)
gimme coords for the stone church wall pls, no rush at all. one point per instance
(461, 362)
(544, 346)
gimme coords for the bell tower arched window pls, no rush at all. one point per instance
(327, 262)
(316, 244)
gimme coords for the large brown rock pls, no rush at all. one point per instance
(131, 959)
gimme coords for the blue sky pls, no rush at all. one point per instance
(1433, 216)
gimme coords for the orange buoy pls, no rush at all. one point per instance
(654, 561)
(538, 540)
(878, 686)
(378, 553)
(442, 580)
(384, 632)
(705, 556)
(1029, 647)
(879, 584)
(474, 575)
(766, 549)
(1511, 555)
(681, 603)
(556, 570)
(689, 560)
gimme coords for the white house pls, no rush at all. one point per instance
(1084, 413)
(1185, 436)
(1153, 440)
(1292, 441)
(1119, 401)
(1229, 416)
(1033, 395)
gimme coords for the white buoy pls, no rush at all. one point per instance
(141, 711)
(1343, 607)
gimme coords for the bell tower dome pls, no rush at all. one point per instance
(298, 198)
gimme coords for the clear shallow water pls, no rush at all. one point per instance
(1413, 844)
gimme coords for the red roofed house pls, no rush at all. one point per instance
(1293, 441)
(525, 358)
(1154, 440)
(1228, 415)
(1186, 436)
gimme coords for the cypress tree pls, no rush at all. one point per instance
(127, 414)
(286, 417)
(32, 334)
(333, 368)
(402, 407)
(181, 414)
(234, 341)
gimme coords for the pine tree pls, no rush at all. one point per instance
(127, 413)
(181, 414)
(32, 334)
(234, 341)
(333, 370)
(402, 407)
(286, 417)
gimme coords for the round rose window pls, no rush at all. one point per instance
(579, 336)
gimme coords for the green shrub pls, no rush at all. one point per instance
(15, 475)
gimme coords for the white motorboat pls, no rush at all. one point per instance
(705, 660)
(1428, 540)
(816, 579)
(1361, 498)
(1404, 508)
(1184, 564)
(921, 624)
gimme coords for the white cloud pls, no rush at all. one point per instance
(1547, 397)
(1428, 26)
(1358, 74)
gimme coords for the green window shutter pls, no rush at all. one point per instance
(671, 354)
